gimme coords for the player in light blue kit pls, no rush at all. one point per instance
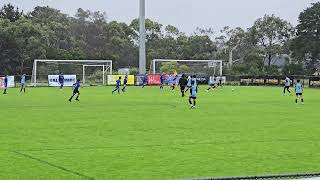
(76, 90)
(118, 84)
(23, 83)
(193, 92)
(299, 92)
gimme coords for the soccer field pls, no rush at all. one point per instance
(152, 134)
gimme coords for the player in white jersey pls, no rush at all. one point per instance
(212, 84)
(287, 86)
(299, 91)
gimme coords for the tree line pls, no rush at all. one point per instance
(272, 46)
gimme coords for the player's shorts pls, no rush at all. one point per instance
(299, 94)
(287, 87)
(182, 88)
(193, 97)
(212, 85)
(76, 91)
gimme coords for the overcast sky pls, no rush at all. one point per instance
(184, 14)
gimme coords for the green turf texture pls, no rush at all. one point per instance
(152, 134)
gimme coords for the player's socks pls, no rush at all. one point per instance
(296, 101)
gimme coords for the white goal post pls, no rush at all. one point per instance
(77, 67)
(203, 63)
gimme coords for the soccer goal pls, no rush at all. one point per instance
(209, 67)
(91, 72)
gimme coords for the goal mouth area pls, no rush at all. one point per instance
(301, 176)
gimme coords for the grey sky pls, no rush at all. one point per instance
(184, 14)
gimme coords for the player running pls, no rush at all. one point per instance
(22, 83)
(118, 84)
(193, 92)
(174, 80)
(211, 84)
(5, 84)
(287, 86)
(299, 91)
(161, 81)
(183, 82)
(61, 80)
(144, 81)
(76, 90)
(125, 81)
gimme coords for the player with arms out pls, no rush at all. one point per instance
(76, 90)
(23, 83)
(299, 91)
(61, 80)
(118, 84)
(183, 82)
(212, 84)
(125, 81)
(193, 92)
(287, 86)
(5, 84)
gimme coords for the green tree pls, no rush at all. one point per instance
(306, 46)
(10, 12)
(271, 33)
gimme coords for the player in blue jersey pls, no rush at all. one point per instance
(299, 91)
(161, 81)
(193, 92)
(23, 83)
(76, 87)
(212, 84)
(61, 80)
(125, 81)
(220, 82)
(118, 84)
(144, 81)
(5, 84)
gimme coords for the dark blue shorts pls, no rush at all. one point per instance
(76, 91)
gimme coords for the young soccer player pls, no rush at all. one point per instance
(299, 92)
(5, 84)
(287, 86)
(174, 80)
(183, 82)
(161, 81)
(211, 84)
(144, 81)
(193, 92)
(118, 84)
(188, 84)
(220, 82)
(22, 83)
(125, 81)
(76, 90)
(61, 80)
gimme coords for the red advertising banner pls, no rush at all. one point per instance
(153, 79)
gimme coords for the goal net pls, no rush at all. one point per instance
(168, 66)
(90, 72)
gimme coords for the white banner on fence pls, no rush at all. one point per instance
(69, 80)
(10, 81)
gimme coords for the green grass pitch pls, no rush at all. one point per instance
(149, 134)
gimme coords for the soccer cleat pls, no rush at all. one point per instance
(69, 100)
